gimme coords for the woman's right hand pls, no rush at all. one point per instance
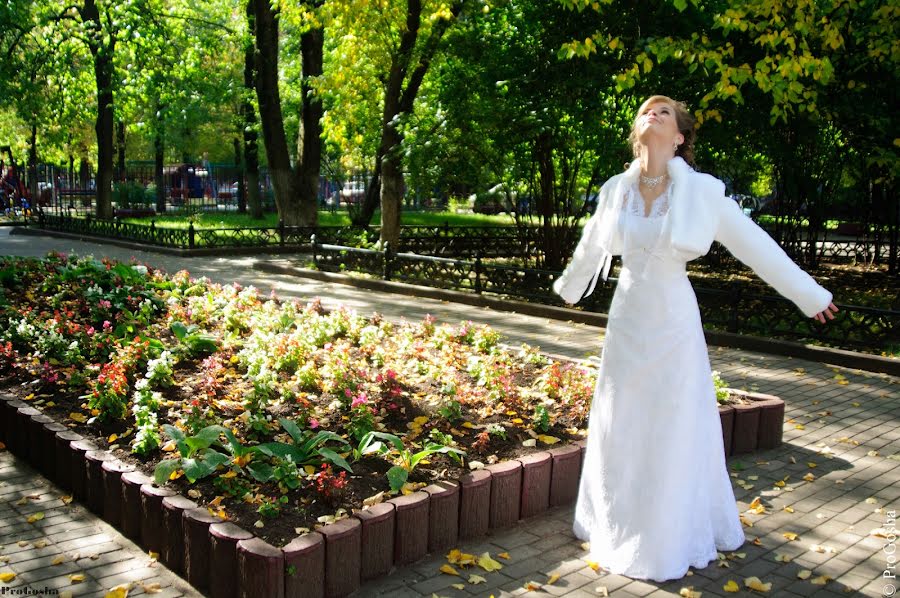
(828, 312)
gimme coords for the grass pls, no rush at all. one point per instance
(212, 220)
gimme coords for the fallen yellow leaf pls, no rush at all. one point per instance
(820, 580)
(731, 586)
(547, 439)
(789, 509)
(593, 565)
(7, 576)
(488, 564)
(809, 477)
(552, 579)
(35, 517)
(78, 417)
(457, 557)
(532, 586)
(152, 588)
(476, 579)
(449, 570)
(504, 555)
(804, 574)
(783, 558)
(754, 583)
(112, 438)
(77, 578)
(689, 593)
(790, 536)
(120, 591)
(59, 560)
(66, 499)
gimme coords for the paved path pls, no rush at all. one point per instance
(843, 428)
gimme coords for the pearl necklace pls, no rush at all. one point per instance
(652, 181)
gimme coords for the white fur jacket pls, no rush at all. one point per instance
(699, 213)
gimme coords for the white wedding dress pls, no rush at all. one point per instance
(655, 496)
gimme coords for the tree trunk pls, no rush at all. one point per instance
(363, 216)
(399, 101)
(310, 139)
(546, 201)
(32, 168)
(120, 146)
(391, 187)
(266, 60)
(158, 157)
(242, 176)
(103, 75)
(249, 190)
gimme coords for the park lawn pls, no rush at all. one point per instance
(218, 220)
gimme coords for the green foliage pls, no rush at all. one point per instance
(198, 459)
(131, 194)
(406, 459)
(541, 419)
(193, 342)
(306, 449)
(721, 387)
(451, 411)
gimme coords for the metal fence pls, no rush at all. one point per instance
(734, 309)
(455, 242)
(189, 187)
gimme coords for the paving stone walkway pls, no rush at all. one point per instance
(52, 544)
(839, 464)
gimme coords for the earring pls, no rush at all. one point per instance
(675, 148)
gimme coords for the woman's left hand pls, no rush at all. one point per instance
(828, 312)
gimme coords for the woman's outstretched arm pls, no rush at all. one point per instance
(754, 247)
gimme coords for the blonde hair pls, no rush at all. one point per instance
(683, 119)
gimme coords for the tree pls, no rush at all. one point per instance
(815, 67)
(296, 188)
(401, 40)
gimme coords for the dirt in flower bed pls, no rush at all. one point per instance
(278, 415)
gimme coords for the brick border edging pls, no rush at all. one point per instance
(758, 426)
(332, 561)
(841, 357)
(329, 562)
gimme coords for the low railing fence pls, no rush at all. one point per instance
(734, 309)
(456, 242)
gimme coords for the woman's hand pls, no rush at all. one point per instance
(828, 312)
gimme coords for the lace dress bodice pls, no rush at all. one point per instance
(645, 252)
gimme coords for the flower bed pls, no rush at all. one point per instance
(277, 416)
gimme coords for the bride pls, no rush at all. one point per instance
(655, 497)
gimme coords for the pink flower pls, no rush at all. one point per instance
(107, 324)
(313, 423)
(90, 331)
(361, 399)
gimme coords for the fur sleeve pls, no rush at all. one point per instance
(754, 247)
(589, 257)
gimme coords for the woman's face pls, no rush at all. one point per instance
(658, 119)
